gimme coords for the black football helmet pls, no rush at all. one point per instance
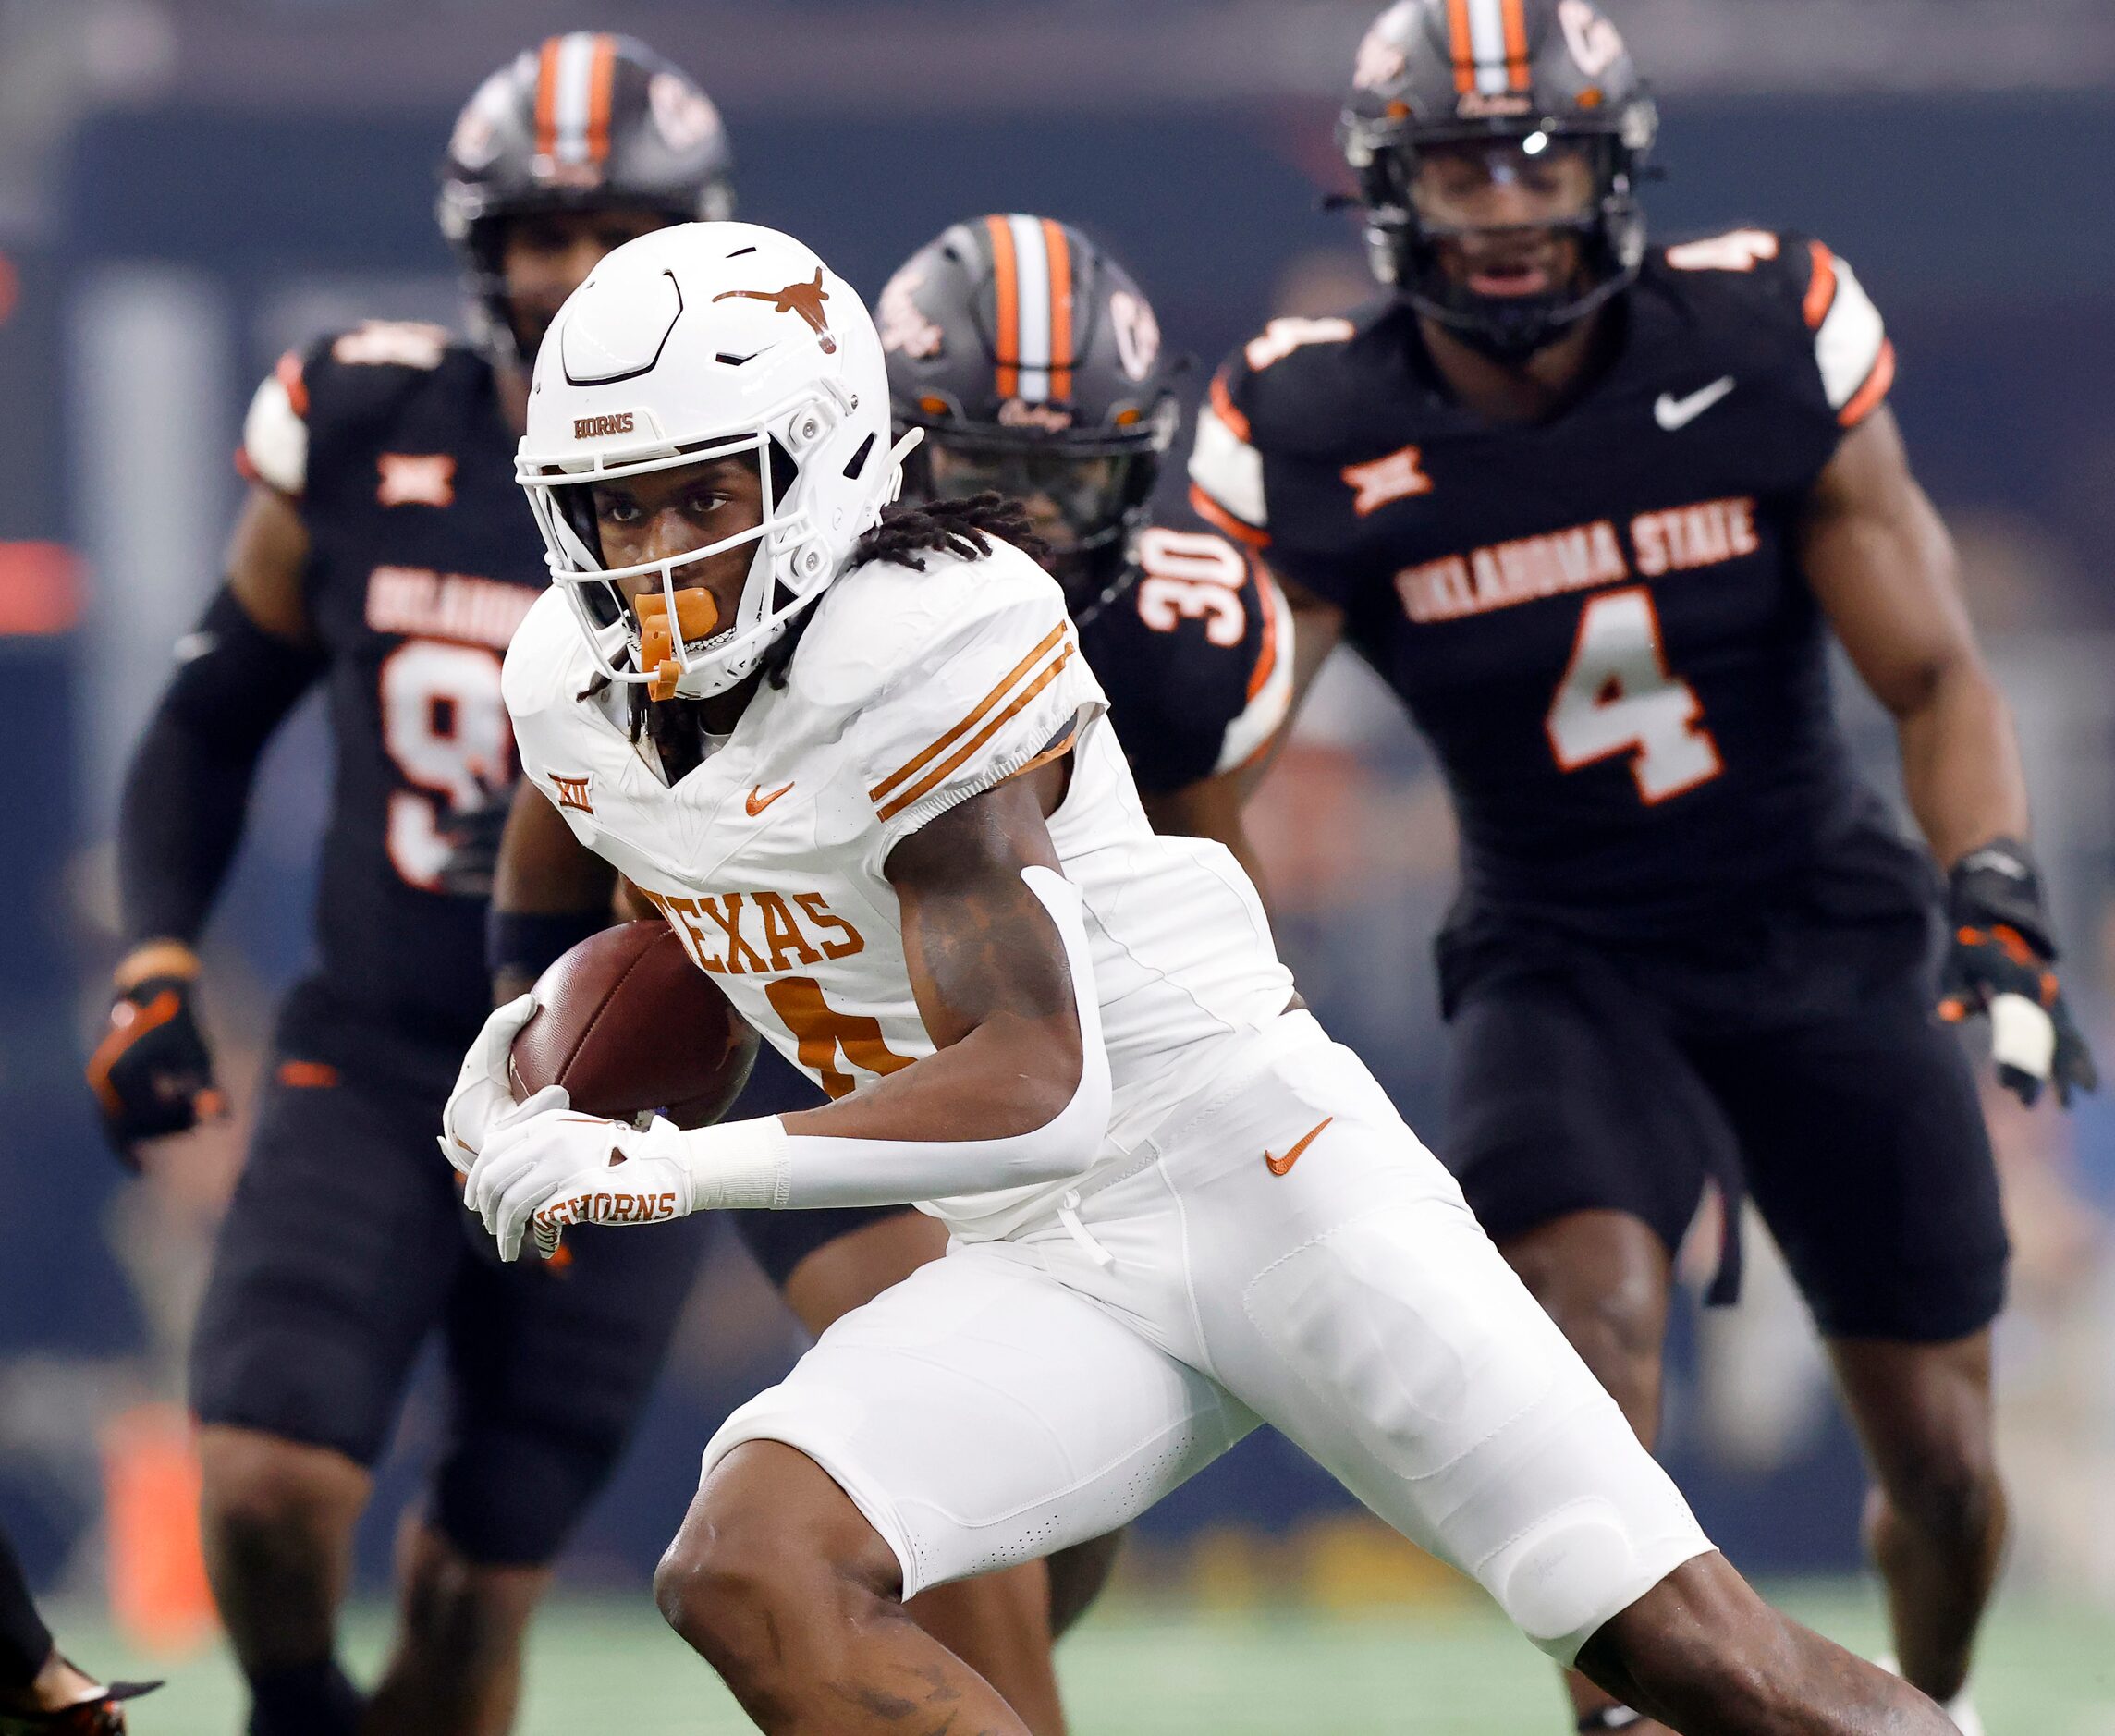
(1034, 364)
(584, 122)
(1534, 72)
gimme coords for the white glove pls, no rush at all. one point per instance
(482, 1100)
(556, 1167)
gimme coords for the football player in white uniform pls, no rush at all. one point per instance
(853, 755)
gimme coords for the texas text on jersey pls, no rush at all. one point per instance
(1598, 620)
(392, 442)
(1193, 642)
(911, 690)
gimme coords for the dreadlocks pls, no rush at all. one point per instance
(963, 528)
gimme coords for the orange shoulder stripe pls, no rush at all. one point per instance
(289, 376)
(1267, 655)
(1821, 287)
(1241, 532)
(897, 803)
(1225, 409)
(1866, 400)
(919, 761)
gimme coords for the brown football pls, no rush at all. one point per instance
(630, 1027)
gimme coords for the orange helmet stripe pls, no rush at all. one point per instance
(1462, 45)
(1060, 255)
(548, 97)
(601, 80)
(1006, 340)
(1516, 44)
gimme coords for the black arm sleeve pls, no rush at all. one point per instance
(185, 795)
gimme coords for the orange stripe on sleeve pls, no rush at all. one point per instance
(1060, 254)
(1006, 267)
(1462, 44)
(1267, 655)
(1516, 46)
(896, 804)
(1217, 515)
(1821, 287)
(924, 755)
(602, 77)
(1866, 400)
(289, 374)
(1227, 410)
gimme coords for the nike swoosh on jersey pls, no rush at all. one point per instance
(756, 800)
(1672, 412)
(1279, 1166)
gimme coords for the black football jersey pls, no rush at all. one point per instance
(1600, 621)
(1193, 644)
(391, 441)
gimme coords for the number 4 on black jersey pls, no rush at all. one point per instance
(1598, 620)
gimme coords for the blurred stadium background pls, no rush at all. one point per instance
(188, 187)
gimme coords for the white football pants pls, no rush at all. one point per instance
(1018, 1396)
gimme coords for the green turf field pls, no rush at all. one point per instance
(1448, 1671)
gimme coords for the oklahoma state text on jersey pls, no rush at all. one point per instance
(1600, 621)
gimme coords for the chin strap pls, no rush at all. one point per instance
(1609, 1718)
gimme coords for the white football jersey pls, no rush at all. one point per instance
(911, 691)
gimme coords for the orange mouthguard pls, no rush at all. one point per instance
(697, 617)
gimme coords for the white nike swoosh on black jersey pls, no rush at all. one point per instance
(1672, 412)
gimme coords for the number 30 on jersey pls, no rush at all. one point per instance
(1618, 697)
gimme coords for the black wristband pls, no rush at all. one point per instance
(532, 941)
(1998, 883)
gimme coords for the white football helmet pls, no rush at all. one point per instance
(700, 341)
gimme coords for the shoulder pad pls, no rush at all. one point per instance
(547, 661)
(1796, 286)
(365, 374)
(883, 622)
(958, 678)
(346, 381)
(274, 448)
(1288, 383)
(1299, 388)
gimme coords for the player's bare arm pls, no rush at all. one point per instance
(252, 656)
(1879, 558)
(988, 968)
(267, 553)
(1016, 1091)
